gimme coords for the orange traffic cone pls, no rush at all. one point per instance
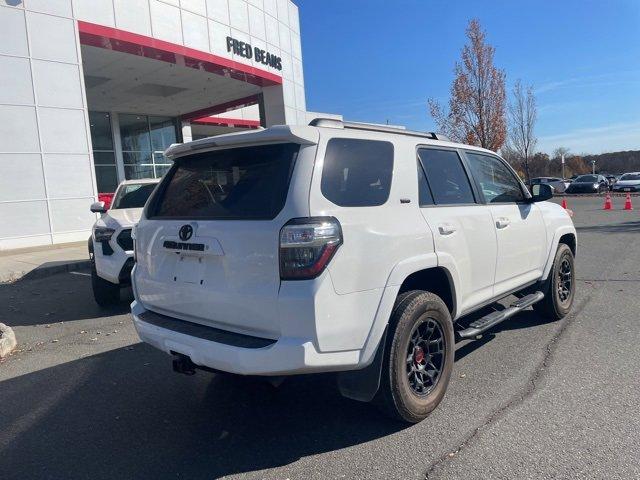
(627, 202)
(608, 205)
(564, 203)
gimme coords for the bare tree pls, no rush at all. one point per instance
(522, 118)
(476, 113)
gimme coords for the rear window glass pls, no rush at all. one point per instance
(133, 195)
(238, 183)
(357, 173)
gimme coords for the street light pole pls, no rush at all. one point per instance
(593, 166)
(562, 158)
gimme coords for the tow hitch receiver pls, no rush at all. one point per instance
(183, 364)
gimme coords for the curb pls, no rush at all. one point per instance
(42, 272)
(7, 340)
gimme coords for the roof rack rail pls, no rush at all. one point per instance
(335, 123)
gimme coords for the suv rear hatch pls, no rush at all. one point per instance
(207, 246)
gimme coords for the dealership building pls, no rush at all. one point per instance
(93, 92)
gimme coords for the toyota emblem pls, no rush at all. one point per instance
(185, 232)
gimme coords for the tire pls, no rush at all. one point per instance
(401, 395)
(105, 293)
(556, 302)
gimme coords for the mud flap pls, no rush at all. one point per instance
(363, 384)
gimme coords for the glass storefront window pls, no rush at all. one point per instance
(144, 140)
(103, 154)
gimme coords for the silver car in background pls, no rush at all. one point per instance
(558, 185)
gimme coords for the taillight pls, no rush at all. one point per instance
(307, 245)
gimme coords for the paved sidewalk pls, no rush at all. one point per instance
(42, 261)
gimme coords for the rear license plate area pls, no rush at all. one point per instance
(189, 269)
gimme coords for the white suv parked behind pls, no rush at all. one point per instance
(110, 245)
(342, 247)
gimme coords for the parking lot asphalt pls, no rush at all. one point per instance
(83, 399)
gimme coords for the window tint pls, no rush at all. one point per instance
(424, 193)
(497, 182)
(236, 183)
(357, 173)
(446, 177)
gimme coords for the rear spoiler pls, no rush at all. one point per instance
(277, 134)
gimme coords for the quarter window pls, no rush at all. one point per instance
(448, 182)
(498, 183)
(357, 173)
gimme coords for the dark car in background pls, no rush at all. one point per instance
(592, 183)
(612, 179)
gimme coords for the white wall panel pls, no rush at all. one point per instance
(194, 30)
(18, 129)
(271, 8)
(62, 131)
(94, 11)
(297, 71)
(21, 177)
(288, 93)
(55, 7)
(71, 215)
(283, 11)
(15, 80)
(23, 218)
(239, 15)
(52, 38)
(165, 22)
(300, 100)
(68, 175)
(296, 48)
(256, 23)
(218, 10)
(13, 33)
(57, 84)
(133, 16)
(195, 6)
(218, 34)
(271, 26)
(294, 19)
(285, 37)
(257, 3)
(287, 67)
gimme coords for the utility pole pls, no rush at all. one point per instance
(562, 159)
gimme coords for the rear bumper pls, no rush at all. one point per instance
(285, 356)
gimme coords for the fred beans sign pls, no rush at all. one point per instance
(245, 50)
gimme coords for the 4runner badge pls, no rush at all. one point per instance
(185, 232)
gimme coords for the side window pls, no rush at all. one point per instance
(498, 183)
(424, 192)
(446, 177)
(357, 173)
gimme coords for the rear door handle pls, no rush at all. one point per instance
(503, 222)
(446, 229)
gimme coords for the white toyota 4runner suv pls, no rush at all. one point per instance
(343, 247)
(110, 244)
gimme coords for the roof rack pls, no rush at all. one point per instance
(335, 123)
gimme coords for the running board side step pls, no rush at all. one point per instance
(494, 318)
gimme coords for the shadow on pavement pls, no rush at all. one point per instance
(59, 298)
(624, 227)
(125, 414)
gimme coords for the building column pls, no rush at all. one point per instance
(272, 111)
(187, 135)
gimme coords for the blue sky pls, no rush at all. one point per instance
(380, 60)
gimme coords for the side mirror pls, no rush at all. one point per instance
(98, 207)
(541, 192)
